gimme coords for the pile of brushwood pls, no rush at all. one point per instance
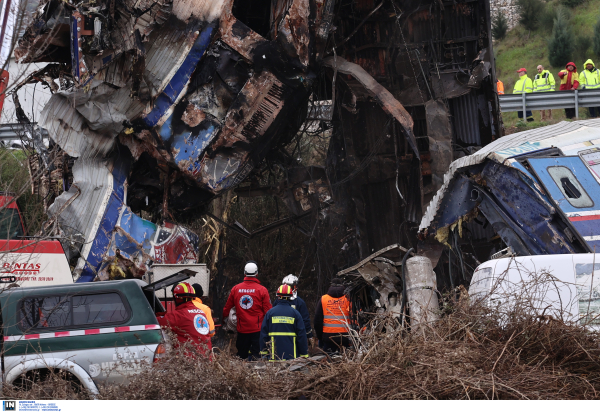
(472, 352)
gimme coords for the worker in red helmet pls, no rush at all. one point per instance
(189, 323)
(283, 335)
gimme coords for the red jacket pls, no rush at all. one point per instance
(569, 80)
(251, 301)
(189, 324)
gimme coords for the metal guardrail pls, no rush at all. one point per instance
(14, 131)
(566, 99)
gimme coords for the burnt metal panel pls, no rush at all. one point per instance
(465, 119)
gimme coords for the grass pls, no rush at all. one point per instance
(523, 48)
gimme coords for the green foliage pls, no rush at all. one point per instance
(572, 3)
(562, 42)
(597, 38)
(14, 178)
(499, 26)
(582, 45)
(530, 12)
(546, 19)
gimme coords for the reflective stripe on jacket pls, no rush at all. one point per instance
(336, 314)
(544, 82)
(283, 329)
(523, 85)
(590, 78)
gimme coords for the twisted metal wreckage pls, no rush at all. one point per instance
(159, 106)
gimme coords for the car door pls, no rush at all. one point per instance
(575, 191)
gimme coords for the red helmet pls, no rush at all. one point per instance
(285, 292)
(184, 290)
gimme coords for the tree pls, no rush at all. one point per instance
(499, 26)
(529, 13)
(597, 38)
(562, 42)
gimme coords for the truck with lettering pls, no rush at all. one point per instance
(28, 261)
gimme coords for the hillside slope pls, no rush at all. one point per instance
(522, 48)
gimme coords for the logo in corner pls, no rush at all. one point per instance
(201, 324)
(246, 302)
(94, 370)
(9, 405)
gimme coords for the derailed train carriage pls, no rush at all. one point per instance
(159, 107)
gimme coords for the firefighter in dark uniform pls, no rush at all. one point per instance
(282, 336)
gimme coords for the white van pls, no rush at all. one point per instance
(566, 287)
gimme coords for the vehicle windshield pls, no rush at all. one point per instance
(10, 224)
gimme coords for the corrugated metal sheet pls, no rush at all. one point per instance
(465, 119)
(505, 142)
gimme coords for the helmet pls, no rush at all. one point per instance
(284, 292)
(183, 290)
(251, 268)
(290, 280)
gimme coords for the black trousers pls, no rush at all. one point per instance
(594, 111)
(248, 345)
(333, 341)
(528, 114)
(570, 113)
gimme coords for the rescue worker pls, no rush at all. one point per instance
(569, 80)
(298, 304)
(332, 318)
(283, 335)
(523, 85)
(499, 86)
(590, 80)
(544, 82)
(189, 323)
(252, 302)
(199, 292)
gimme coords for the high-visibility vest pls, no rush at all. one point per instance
(336, 314)
(543, 82)
(500, 87)
(590, 79)
(523, 85)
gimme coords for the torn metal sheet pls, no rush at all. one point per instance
(383, 97)
(375, 283)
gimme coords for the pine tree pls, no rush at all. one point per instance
(597, 38)
(530, 12)
(562, 42)
(499, 26)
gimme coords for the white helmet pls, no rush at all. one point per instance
(251, 268)
(290, 280)
(293, 282)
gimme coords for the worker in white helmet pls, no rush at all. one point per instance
(298, 303)
(252, 302)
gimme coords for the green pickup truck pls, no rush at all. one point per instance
(99, 332)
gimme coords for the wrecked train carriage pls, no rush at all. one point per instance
(435, 60)
(166, 104)
(536, 192)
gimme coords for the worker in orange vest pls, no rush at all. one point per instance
(332, 318)
(499, 86)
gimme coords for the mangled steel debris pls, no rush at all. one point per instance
(535, 192)
(170, 103)
(187, 98)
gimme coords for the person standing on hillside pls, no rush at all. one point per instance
(569, 80)
(523, 85)
(590, 80)
(499, 86)
(544, 82)
(252, 302)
